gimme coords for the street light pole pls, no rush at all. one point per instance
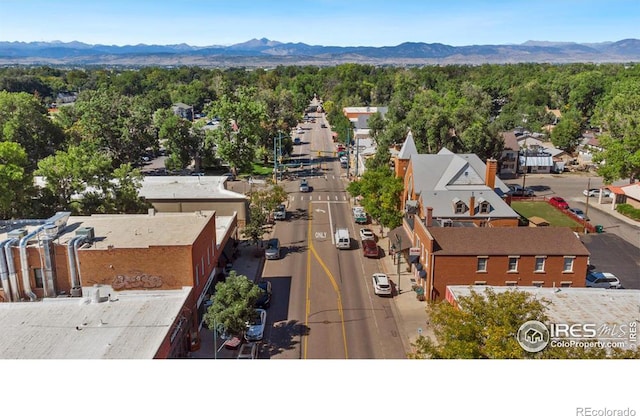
(399, 258)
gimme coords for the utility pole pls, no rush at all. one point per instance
(348, 154)
(586, 210)
(524, 171)
(357, 160)
(275, 162)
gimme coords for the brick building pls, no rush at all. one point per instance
(504, 256)
(73, 257)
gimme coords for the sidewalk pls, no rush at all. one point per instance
(247, 264)
(409, 313)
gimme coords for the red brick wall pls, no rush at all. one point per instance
(460, 270)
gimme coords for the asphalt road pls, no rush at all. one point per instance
(323, 302)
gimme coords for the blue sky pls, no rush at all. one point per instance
(319, 22)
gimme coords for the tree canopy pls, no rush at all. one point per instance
(485, 324)
(233, 304)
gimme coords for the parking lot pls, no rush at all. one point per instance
(617, 249)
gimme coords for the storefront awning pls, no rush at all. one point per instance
(399, 238)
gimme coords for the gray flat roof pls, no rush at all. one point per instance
(186, 187)
(124, 325)
(576, 304)
(141, 230)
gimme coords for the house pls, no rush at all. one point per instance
(526, 152)
(505, 256)
(183, 110)
(626, 194)
(508, 167)
(459, 188)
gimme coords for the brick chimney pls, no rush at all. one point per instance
(472, 205)
(429, 216)
(490, 174)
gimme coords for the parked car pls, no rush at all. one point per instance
(596, 193)
(324, 126)
(579, 213)
(381, 284)
(603, 280)
(273, 249)
(230, 176)
(370, 249)
(517, 190)
(264, 301)
(255, 327)
(304, 186)
(248, 351)
(280, 213)
(558, 202)
(297, 141)
(299, 131)
(367, 234)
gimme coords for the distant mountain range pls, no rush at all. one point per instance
(265, 52)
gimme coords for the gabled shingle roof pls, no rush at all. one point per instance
(442, 177)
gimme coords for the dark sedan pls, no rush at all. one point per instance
(370, 249)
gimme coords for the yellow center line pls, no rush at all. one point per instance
(333, 283)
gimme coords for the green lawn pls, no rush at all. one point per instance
(262, 170)
(544, 210)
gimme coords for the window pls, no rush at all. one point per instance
(37, 274)
(568, 264)
(565, 284)
(482, 264)
(480, 283)
(537, 283)
(485, 208)
(539, 264)
(513, 264)
(511, 283)
(461, 207)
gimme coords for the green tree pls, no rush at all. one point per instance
(15, 181)
(483, 325)
(71, 172)
(621, 141)
(233, 304)
(254, 229)
(240, 129)
(184, 141)
(380, 191)
(24, 120)
(119, 125)
(482, 139)
(567, 133)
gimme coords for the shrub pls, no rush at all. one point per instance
(629, 211)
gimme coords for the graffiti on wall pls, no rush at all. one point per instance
(140, 281)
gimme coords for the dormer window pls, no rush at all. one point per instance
(459, 206)
(484, 207)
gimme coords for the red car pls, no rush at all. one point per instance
(558, 202)
(370, 249)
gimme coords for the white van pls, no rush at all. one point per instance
(342, 238)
